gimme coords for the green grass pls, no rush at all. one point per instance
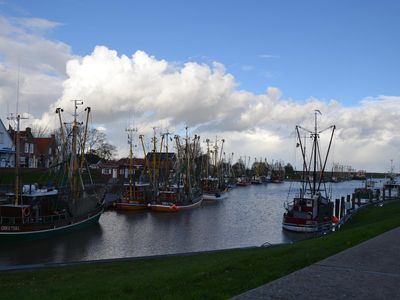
(217, 275)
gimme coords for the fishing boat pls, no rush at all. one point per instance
(277, 172)
(391, 187)
(185, 193)
(213, 184)
(135, 195)
(213, 191)
(34, 211)
(311, 210)
(242, 181)
(174, 201)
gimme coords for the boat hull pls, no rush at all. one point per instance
(130, 206)
(21, 232)
(171, 207)
(316, 227)
(214, 196)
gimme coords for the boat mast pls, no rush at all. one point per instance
(315, 141)
(208, 161)
(146, 162)
(154, 140)
(87, 109)
(219, 169)
(167, 162)
(160, 158)
(63, 144)
(130, 132)
(74, 162)
(18, 118)
(188, 183)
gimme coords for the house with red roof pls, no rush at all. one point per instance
(27, 157)
(45, 151)
(34, 152)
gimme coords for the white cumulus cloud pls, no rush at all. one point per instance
(152, 92)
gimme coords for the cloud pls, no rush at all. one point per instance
(247, 68)
(30, 60)
(205, 97)
(268, 56)
(151, 92)
(36, 24)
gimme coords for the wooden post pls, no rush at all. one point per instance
(347, 203)
(377, 194)
(353, 201)
(337, 203)
(342, 207)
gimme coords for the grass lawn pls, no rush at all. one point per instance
(204, 276)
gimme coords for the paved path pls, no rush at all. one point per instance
(370, 270)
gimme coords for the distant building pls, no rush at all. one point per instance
(45, 151)
(27, 157)
(161, 162)
(34, 152)
(7, 149)
(120, 169)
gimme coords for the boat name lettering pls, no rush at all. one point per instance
(9, 228)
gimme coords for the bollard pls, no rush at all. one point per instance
(342, 207)
(348, 207)
(337, 203)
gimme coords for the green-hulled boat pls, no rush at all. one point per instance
(33, 212)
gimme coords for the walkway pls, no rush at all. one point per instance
(370, 270)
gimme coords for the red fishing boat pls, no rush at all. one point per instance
(312, 210)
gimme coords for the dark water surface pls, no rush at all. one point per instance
(250, 216)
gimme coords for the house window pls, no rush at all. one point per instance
(26, 148)
(106, 171)
(49, 150)
(30, 148)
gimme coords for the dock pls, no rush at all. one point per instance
(370, 270)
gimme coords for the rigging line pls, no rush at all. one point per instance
(310, 167)
(295, 162)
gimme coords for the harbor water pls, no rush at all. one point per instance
(250, 216)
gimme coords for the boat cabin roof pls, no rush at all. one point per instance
(15, 206)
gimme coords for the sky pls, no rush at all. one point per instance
(245, 71)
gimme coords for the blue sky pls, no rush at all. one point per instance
(344, 50)
(281, 61)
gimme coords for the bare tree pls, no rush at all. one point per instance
(106, 151)
(40, 131)
(95, 139)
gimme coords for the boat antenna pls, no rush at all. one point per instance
(74, 164)
(16, 118)
(130, 131)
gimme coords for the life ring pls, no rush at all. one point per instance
(26, 211)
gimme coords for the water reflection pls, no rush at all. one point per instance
(250, 216)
